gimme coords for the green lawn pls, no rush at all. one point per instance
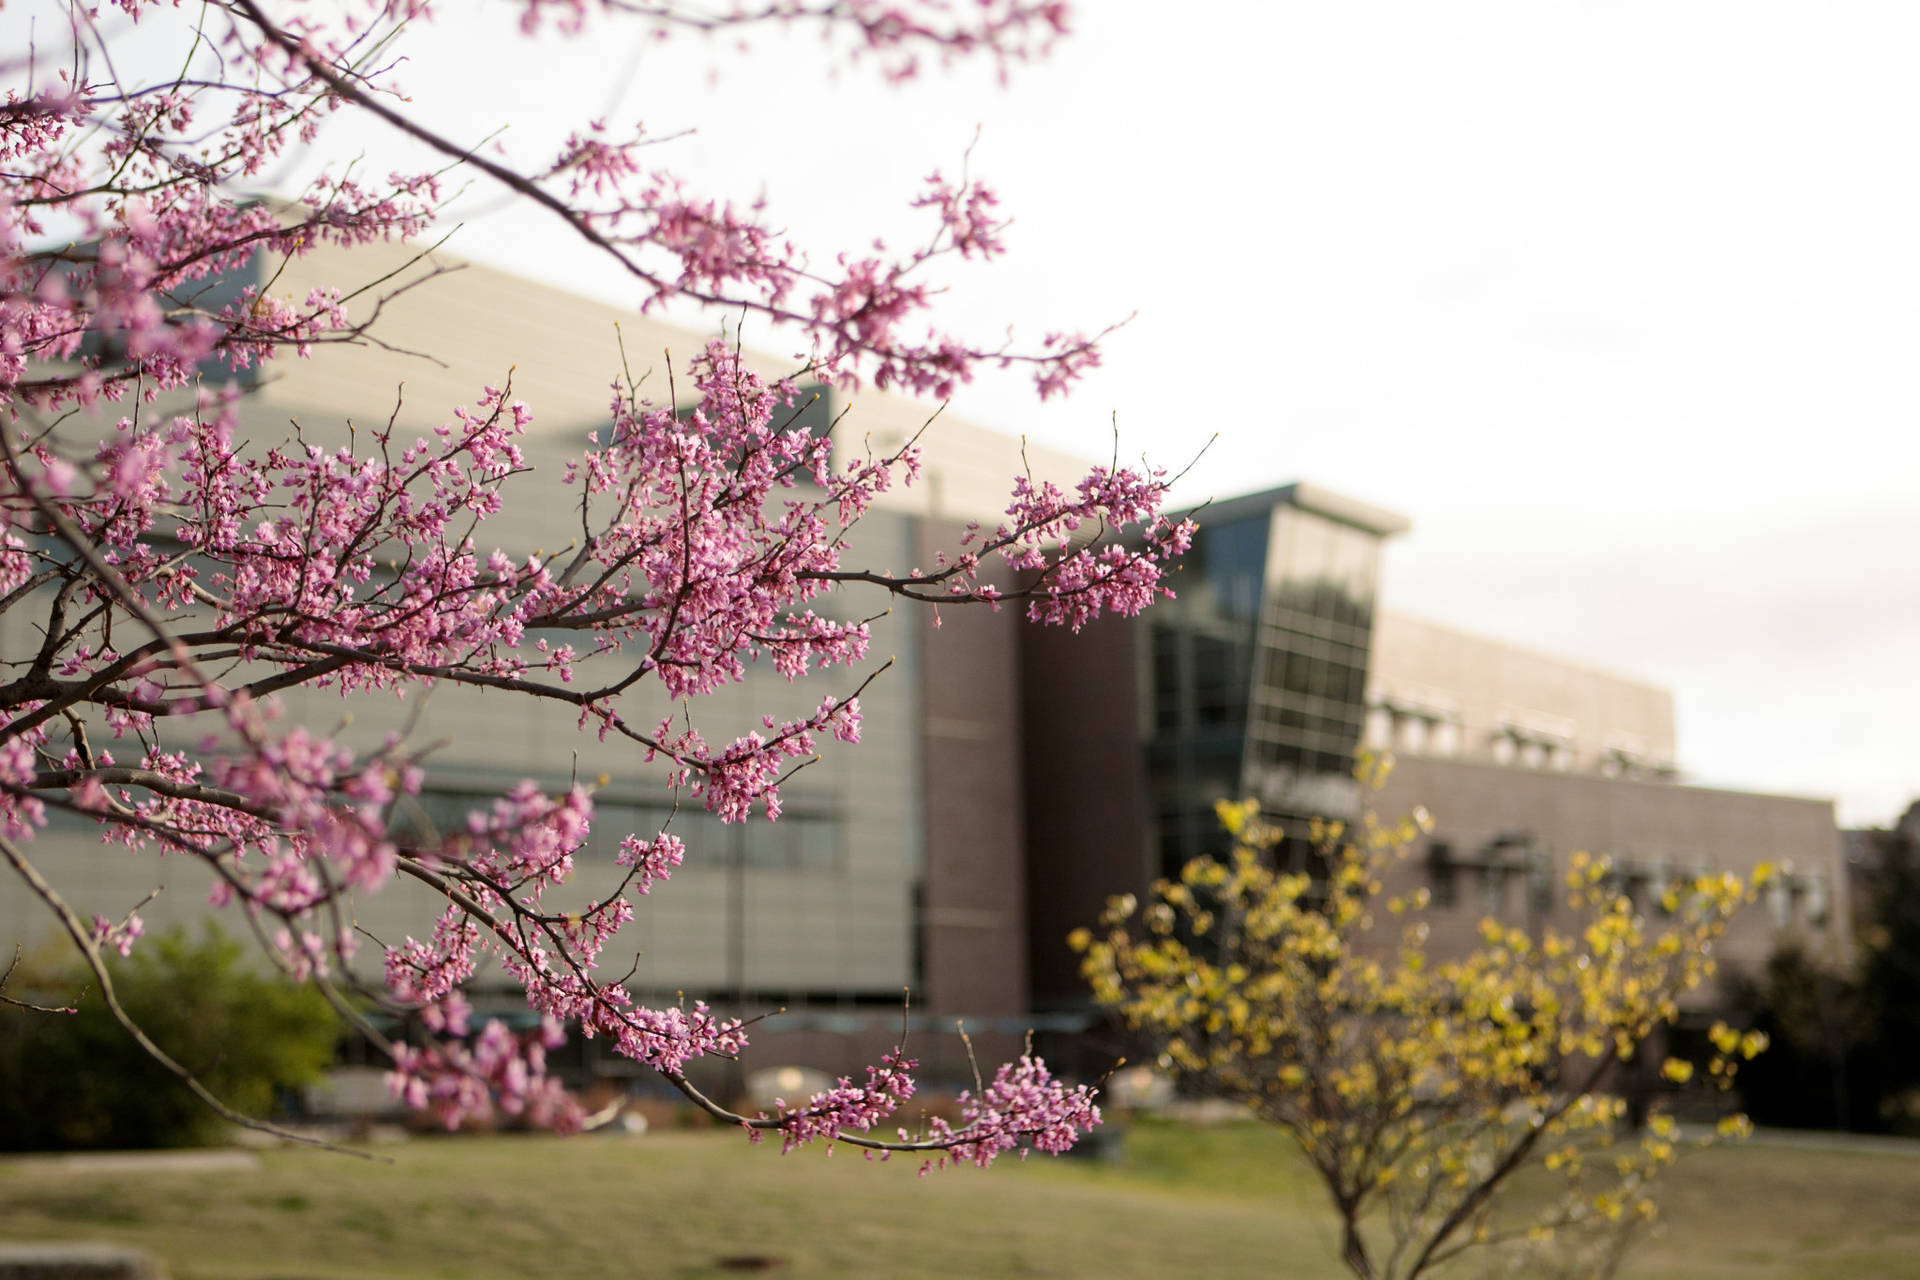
(1217, 1203)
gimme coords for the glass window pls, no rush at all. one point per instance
(709, 842)
(769, 845)
(1166, 679)
(1440, 874)
(1780, 902)
(434, 816)
(1540, 882)
(613, 823)
(1173, 846)
(1263, 662)
(1235, 564)
(1308, 542)
(1218, 697)
(818, 842)
(1493, 891)
(1819, 903)
(1659, 880)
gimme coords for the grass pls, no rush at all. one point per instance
(1223, 1202)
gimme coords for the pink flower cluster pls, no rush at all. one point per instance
(457, 1081)
(121, 936)
(1023, 1107)
(170, 578)
(651, 860)
(847, 1108)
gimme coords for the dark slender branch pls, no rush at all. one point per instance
(28, 1004)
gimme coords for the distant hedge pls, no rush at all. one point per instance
(77, 1081)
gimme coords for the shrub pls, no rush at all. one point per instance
(75, 1080)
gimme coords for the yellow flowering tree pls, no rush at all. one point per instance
(1448, 1102)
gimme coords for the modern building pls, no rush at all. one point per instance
(1524, 758)
(898, 866)
(1277, 664)
(1010, 777)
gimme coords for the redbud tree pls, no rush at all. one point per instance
(174, 579)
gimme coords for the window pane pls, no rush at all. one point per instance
(769, 845)
(819, 843)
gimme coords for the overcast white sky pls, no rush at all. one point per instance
(1617, 301)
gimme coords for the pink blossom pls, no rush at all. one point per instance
(174, 577)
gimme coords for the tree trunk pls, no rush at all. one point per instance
(1353, 1251)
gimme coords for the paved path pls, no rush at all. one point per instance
(1819, 1140)
(79, 1260)
(216, 1161)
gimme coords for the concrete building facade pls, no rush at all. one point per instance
(1010, 777)
(897, 866)
(1524, 759)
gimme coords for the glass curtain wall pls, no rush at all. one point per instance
(1309, 694)
(1202, 648)
(1258, 676)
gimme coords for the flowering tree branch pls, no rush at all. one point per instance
(1420, 1088)
(179, 578)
